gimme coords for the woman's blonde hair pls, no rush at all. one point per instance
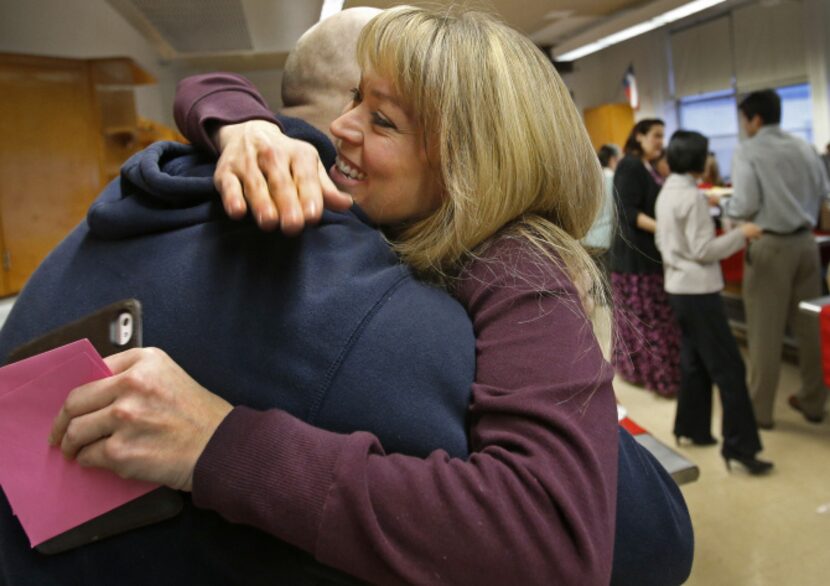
(514, 153)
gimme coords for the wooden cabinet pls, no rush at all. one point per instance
(66, 125)
(609, 124)
(113, 81)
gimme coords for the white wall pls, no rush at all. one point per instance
(817, 39)
(92, 28)
(597, 78)
(86, 29)
(268, 82)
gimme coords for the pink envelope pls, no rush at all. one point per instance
(19, 373)
(49, 494)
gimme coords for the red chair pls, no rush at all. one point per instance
(824, 325)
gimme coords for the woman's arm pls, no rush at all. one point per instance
(630, 187)
(699, 231)
(646, 223)
(280, 179)
(534, 503)
(206, 102)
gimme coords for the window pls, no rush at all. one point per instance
(715, 115)
(797, 110)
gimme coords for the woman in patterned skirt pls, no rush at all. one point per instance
(646, 337)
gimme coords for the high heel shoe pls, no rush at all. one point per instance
(752, 464)
(697, 441)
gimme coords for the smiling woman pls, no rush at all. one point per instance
(464, 143)
(382, 157)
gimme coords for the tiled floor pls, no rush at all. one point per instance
(754, 531)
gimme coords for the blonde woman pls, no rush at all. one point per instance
(487, 189)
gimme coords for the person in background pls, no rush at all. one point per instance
(646, 340)
(661, 165)
(779, 184)
(825, 158)
(711, 172)
(599, 237)
(709, 354)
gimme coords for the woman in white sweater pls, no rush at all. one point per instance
(709, 354)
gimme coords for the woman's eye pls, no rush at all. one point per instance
(357, 97)
(381, 121)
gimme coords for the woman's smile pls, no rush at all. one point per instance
(347, 169)
(381, 158)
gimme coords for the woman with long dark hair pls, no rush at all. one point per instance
(646, 336)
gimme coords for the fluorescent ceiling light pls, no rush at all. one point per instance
(331, 7)
(638, 29)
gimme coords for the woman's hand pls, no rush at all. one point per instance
(149, 421)
(281, 179)
(751, 231)
(646, 223)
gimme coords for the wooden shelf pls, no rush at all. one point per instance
(119, 71)
(71, 123)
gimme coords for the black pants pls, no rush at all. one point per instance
(709, 354)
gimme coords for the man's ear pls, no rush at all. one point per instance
(757, 121)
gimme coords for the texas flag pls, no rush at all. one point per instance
(630, 86)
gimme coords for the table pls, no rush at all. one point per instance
(678, 466)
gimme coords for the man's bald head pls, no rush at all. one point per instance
(322, 67)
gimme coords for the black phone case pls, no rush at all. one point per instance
(158, 505)
(95, 326)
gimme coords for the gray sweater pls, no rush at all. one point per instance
(686, 239)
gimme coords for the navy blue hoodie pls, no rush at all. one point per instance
(328, 326)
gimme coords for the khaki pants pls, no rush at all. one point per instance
(780, 272)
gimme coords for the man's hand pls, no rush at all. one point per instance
(281, 179)
(149, 421)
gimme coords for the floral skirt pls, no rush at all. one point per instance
(646, 334)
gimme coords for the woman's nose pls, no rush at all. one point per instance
(347, 127)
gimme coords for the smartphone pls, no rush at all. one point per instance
(111, 329)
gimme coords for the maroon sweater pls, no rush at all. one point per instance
(533, 504)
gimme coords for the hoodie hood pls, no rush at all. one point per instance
(167, 186)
